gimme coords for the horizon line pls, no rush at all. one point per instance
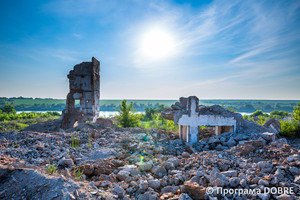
(162, 99)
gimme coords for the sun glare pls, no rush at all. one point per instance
(157, 44)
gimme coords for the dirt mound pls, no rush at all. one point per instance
(30, 184)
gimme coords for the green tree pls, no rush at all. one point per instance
(296, 113)
(8, 109)
(278, 114)
(258, 113)
(126, 116)
(149, 112)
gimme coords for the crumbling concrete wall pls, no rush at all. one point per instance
(84, 82)
(190, 116)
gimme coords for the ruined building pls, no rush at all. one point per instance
(190, 116)
(84, 82)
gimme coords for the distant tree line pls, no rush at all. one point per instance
(249, 106)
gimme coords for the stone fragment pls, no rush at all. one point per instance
(246, 149)
(234, 182)
(88, 169)
(185, 155)
(159, 171)
(185, 197)
(118, 190)
(143, 185)
(123, 175)
(294, 170)
(297, 180)
(65, 162)
(190, 149)
(218, 179)
(269, 137)
(145, 166)
(169, 189)
(255, 143)
(265, 166)
(67, 173)
(194, 190)
(279, 174)
(263, 182)
(155, 184)
(169, 165)
(230, 173)
(104, 122)
(243, 182)
(175, 161)
(279, 143)
(231, 142)
(149, 195)
(285, 197)
(212, 140)
(219, 147)
(273, 124)
(264, 196)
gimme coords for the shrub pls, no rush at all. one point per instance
(289, 128)
(245, 117)
(8, 109)
(296, 113)
(126, 116)
(258, 113)
(278, 114)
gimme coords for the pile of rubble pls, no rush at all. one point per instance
(135, 163)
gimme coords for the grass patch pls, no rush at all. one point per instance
(75, 141)
(50, 168)
(78, 174)
(20, 124)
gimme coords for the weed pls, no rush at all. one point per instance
(15, 144)
(78, 174)
(50, 168)
(75, 141)
(89, 140)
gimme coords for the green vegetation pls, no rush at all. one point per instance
(250, 106)
(159, 123)
(51, 168)
(9, 120)
(89, 140)
(15, 144)
(78, 174)
(258, 113)
(9, 109)
(288, 128)
(153, 119)
(31, 115)
(296, 113)
(292, 128)
(126, 116)
(75, 141)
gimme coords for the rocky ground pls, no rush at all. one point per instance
(132, 163)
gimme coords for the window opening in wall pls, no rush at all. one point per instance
(77, 103)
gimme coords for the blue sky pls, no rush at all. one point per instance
(220, 49)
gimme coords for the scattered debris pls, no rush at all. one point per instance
(111, 166)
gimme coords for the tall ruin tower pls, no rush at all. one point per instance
(84, 82)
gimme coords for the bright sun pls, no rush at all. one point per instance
(157, 44)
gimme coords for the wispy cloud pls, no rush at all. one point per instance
(77, 36)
